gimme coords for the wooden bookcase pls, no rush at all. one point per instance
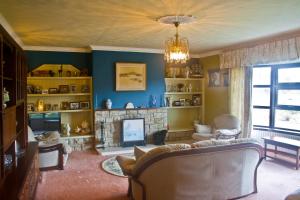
(15, 157)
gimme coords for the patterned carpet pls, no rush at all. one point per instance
(111, 166)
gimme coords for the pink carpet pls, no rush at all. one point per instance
(83, 179)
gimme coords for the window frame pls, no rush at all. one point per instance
(274, 87)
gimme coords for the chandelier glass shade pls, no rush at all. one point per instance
(176, 49)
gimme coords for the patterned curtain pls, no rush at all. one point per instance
(240, 97)
(286, 50)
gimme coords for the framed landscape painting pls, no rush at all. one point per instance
(130, 76)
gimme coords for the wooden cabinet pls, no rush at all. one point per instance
(185, 102)
(13, 120)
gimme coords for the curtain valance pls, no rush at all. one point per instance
(271, 52)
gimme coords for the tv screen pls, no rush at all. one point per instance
(133, 132)
(43, 122)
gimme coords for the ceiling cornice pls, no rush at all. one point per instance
(10, 31)
(126, 49)
(210, 53)
(58, 49)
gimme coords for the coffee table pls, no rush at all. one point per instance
(284, 143)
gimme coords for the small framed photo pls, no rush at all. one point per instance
(44, 91)
(65, 105)
(85, 88)
(47, 107)
(182, 102)
(64, 89)
(214, 78)
(74, 105)
(196, 100)
(52, 91)
(30, 106)
(84, 105)
(55, 107)
(73, 88)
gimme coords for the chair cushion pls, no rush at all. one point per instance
(31, 137)
(126, 163)
(227, 132)
(138, 152)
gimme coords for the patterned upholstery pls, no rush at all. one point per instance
(214, 142)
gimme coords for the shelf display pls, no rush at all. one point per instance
(184, 99)
(69, 95)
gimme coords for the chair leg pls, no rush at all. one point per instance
(129, 192)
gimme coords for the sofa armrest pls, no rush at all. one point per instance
(51, 157)
(127, 164)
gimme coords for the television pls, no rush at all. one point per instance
(133, 132)
(43, 122)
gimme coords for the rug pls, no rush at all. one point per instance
(112, 166)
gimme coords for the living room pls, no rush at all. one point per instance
(150, 99)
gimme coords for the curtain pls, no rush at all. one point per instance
(240, 97)
(284, 50)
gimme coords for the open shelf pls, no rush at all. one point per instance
(184, 79)
(60, 111)
(58, 94)
(74, 135)
(182, 107)
(181, 129)
(59, 78)
(170, 93)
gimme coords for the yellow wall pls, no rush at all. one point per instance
(216, 98)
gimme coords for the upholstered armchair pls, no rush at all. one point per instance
(53, 153)
(224, 126)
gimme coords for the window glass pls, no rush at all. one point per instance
(289, 119)
(289, 97)
(261, 96)
(288, 75)
(261, 76)
(261, 116)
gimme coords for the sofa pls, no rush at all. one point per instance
(210, 170)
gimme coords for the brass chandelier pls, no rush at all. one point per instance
(176, 48)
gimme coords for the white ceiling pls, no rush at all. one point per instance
(132, 23)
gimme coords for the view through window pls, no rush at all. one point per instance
(276, 97)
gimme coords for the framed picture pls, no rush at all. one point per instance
(30, 106)
(130, 76)
(65, 105)
(84, 105)
(52, 90)
(214, 78)
(44, 91)
(225, 78)
(74, 105)
(47, 107)
(73, 88)
(30, 89)
(182, 102)
(85, 88)
(64, 89)
(196, 100)
(55, 107)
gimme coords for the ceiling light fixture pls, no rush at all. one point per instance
(176, 48)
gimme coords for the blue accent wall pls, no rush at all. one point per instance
(79, 60)
(104, 78)
(101, 65)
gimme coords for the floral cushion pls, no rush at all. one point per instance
(214, 142)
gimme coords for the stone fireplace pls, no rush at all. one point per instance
(155, 120)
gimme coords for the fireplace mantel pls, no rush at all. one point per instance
(102, 109)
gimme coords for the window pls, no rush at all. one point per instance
(276, 97)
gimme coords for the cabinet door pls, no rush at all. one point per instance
(9, 126)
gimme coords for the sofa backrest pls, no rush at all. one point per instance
(215, 172)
